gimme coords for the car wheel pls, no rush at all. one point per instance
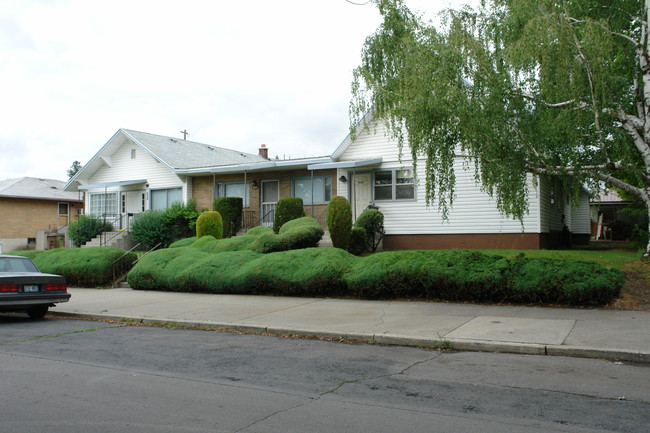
(37, 312)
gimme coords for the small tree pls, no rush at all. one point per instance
(209, 223)
(150, 229)
(230, 209)
(339, 221)
(372, 221)
(74, 168)
(287, 209)
(85, 228)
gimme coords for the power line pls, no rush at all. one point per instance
(358, 4)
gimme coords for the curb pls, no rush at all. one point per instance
(395, 340)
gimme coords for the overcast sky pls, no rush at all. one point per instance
(234, 74)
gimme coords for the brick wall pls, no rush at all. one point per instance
(22, 218)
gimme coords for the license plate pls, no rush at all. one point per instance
(30, 289)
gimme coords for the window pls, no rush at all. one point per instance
(163, 198)
(318, 188)
(101, 204)
(63, 209)
(132, 153)
(232, 189)
(396, 184)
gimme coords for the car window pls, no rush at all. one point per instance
(9, 264)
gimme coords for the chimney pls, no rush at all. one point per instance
(264, 151)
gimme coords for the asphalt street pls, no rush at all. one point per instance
(62, 375)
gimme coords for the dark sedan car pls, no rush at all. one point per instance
(23, 288)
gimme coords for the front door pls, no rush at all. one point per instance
(132, 204)
(361, 193)
(270, 196)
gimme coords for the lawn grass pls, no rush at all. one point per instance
(615, 258)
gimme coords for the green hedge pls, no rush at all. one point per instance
(339, 221)
(85, 267)
(287, 209)
(432, 274)
(230, 209)
(209, 224)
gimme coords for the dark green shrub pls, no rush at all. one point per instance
(373, 222)
(358, 241)
(339, 221)
(287, 209)
(86, 267)
(150, 229)
(563, 281)
(209, 223)
(299, 233)
(181, 219)
(230, 209)
(87, 227)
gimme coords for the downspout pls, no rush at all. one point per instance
(312, 194)
(214, 189)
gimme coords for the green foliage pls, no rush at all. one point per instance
(358, 241)
(447, 275)
(287, 209)
(298, 233)
(519, 86)
(181, 219)
(87, 227)
(86, 267)
(339, 221)
(372, 221)
(230, 209)
(150, 228)
(209, 223)
(183, 242)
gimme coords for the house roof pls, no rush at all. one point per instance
(36, 188)
(181, 154)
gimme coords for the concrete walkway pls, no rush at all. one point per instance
(606, 334)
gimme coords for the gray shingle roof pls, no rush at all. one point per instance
(183, 154)
(35, 188)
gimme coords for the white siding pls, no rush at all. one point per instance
(472, 212)
(143, 166)
(581, 221)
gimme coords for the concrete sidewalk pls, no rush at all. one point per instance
(606, 334)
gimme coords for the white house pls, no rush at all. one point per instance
(371, 166)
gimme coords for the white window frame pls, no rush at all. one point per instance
(167, 199)
(220, 190)
(327, 181)
(100, 204)
(394, 184)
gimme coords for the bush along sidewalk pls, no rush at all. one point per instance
(85, 267)
(432, 274)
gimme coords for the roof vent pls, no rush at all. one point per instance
(173, 140)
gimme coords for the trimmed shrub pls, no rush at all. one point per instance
(230, 209)
(209, 223)
(86, 267)
(339, 221)
(287, 209)
(183, 242)
(358, 241)
(373, 222)
(181, 219)
(299, 233)
(150, 229)
(87, 227)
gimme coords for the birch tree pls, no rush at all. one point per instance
(551, 87)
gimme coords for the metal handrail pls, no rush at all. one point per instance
(120, 257)
(159, 243)
(259, 222)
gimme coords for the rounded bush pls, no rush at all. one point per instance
(373, 222)
(358, 241)
(87, 227)
(209, 223)
(339, 221)
(287, 209)
(230, 209)
(150, 229)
